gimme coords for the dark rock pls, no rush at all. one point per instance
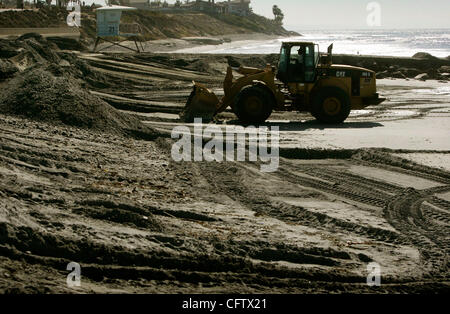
(444, 69)
(7, 69)
(424, 55)
(369, 64)
(410, 72)
(36, 36)
(398, 74)
(422, 77)
(443, 76)
(382, 75)
(432, 74)
(7, 50)
(232, 62)
(67, 43)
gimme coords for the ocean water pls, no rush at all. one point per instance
(367, 42)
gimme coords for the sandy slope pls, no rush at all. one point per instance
(137, 221)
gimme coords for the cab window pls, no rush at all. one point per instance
(316, 54)
(282, 66)
(309, 56)
(296, 55)
(310, 64)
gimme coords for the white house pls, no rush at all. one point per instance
(239, 7)
(139, 4)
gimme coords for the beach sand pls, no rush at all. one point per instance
(370, 190)
(194, 44)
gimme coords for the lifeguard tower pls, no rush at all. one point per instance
(109, 28)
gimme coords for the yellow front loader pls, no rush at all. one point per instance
(304, 81)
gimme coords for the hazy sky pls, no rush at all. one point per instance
(353, 13)
(304, 14)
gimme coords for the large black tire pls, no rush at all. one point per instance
(254, 104)
(331, 105)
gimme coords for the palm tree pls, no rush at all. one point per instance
(279, 16)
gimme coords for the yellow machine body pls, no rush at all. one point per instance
(328, 91)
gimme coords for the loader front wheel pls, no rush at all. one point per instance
(253, 105)
(331, 105)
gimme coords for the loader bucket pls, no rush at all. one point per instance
(202, 103)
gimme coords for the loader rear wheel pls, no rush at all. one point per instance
(331, 105)
(254, 104)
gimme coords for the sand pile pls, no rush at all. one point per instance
(7, 69)
(28, 50)
(44, 17)
(52, 88)
(255, 61)
(424, 55)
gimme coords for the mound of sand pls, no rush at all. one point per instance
(28, 50)
(32, 49)
(424, 55)
(44, 17)
(202, 66)
(8, 48)
(52, 88)
(256, 61)
(49, 93)
(67, 43)
(7, 69)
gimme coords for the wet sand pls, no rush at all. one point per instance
(138, 222)
(198, 44)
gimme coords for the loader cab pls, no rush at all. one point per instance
(298, 62)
